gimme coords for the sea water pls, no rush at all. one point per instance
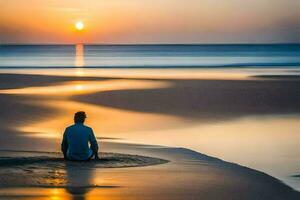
(149, 56)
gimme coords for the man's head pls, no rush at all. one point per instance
(79, 117)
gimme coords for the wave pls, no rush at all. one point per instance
(233, 65)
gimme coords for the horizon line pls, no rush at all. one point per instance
(145, 44)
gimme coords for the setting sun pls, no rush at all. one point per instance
(79, 25)
(99, 97)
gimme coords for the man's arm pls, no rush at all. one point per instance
(94, 144)
(64, 145)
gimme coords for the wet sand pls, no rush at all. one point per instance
(192, 101)
(207, 99)
(48, 169)
(188, 175)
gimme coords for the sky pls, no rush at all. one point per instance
(150, 21)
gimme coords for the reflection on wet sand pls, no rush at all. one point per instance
(102, 116)
(182, 73)
(106, 122)
(188, 175)
(125, 109)
(85, 87)
(223, 139)
(46, 174)
(79, 181)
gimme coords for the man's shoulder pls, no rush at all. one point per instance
(74, 126)
(71, 126)
(87, 127)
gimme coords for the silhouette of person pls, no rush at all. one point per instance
(76, 139)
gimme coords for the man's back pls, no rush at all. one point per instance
(76, 141)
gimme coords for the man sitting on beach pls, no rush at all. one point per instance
(75, 144)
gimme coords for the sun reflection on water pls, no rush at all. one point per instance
(79, 55)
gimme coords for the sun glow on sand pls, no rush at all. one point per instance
(79, 25)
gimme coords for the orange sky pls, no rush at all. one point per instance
(150, 21)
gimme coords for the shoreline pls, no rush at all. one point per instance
(103, 155)
(233, 176)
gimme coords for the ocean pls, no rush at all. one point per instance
(150, 56)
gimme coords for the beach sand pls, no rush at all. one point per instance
(187, 175)
(48, 170)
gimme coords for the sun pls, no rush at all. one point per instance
(79, 25)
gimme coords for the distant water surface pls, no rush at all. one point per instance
(149, 56)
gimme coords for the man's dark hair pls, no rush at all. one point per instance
(79, 117)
